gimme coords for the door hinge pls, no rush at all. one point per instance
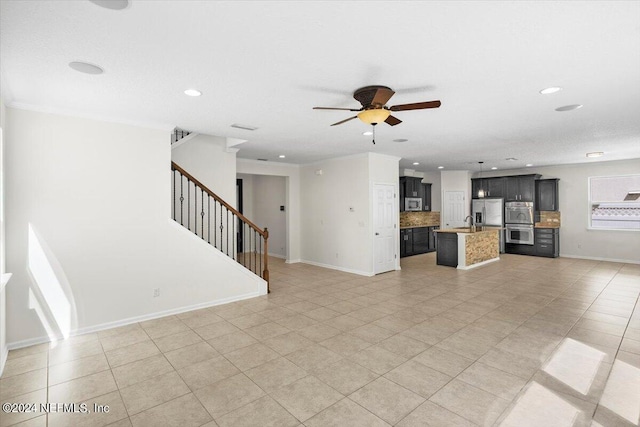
(395, 256)
(394, 226)
(394, 195)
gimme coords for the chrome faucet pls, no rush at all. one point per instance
(471, 220)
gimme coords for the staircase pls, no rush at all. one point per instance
(212, 219)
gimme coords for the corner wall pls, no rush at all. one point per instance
(89, 235)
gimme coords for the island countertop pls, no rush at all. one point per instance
(467, 230)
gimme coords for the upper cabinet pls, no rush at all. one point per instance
(520, 188)
(413, 187)
(546, 195)
(492, 187)
(426, 201)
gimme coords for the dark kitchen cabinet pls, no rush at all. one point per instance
(520, 188)
(447, 253)
(417, 240)
(426, 197)
(493, 187)
(547, 242)
(406, 242)
(546, 195)
(412, 186)
(421, 240)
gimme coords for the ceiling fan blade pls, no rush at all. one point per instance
(343, 109)
(345, 120)
(416, 106)
(382, 95)
(392, 121)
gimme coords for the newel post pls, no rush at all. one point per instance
(265, 273)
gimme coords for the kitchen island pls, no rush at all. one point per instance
(468, 247)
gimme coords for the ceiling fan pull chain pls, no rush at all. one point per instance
(374, 133)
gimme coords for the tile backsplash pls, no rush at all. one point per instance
(550, 218)
(419, 219)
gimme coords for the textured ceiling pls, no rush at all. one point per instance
(266, 64)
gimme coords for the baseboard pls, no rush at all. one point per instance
(293, 261)
(136, 319)
(592, 258)
(335, 267)
(478, 264)
(3, 358)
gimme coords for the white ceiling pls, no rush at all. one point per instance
(266, 64)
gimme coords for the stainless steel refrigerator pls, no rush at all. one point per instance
(489, 212)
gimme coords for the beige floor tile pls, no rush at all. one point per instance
(214, 330)
(345, 344)
(274, 314)
(313, 357)
(344, 322)
(229, 394)
(470, 402)
(630, 346)
(40, 421)
(296, 322)
(251, 356)
(122, 340)
(588, 336)
(153, 392)
(198, 318)
(288, 343)
(345, 376)
(344, 307)
(141, 370)
(319, 332)
(24, 364)
(131, 353)
(67, 353)
(23, 383)
(276, 373)
(205, 373)
(418, 378)
(495, 381)
(470, 342)
(302, 306)
(432, 415)
(264, 412)
(83, 388)
(77, 368)
(249, 320)
(97, 417)
(403, 345)
(230, 342)
(530, 343)
(387, 400)
(184, 411)
(266, 330)
(443, 361)
(371, 333)
(28, 351)
(345, 413)
(191, 354)
(377, 359)
(521, 366)
(322, 313)
(119, 330)
(176, 341)
(306, 397)
(34, 398)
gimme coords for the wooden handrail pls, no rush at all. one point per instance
(264, 233)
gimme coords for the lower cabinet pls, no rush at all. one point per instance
(447, 253)
(546, 243)
(417, 240)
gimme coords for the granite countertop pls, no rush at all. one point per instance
(465, 230)
(420, 226)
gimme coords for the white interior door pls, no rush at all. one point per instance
(384, 227)
(454, 203)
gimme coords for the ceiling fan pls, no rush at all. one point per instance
(374, 110)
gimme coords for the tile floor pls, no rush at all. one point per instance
(522, 342)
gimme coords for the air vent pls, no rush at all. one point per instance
(263, 160)
(243, 127)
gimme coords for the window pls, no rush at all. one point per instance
(614, 202)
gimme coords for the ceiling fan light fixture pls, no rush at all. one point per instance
(374, 116)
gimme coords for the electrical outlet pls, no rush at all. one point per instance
(156, 292)
(579, 246)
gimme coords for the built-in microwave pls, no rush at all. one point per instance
(412, 204)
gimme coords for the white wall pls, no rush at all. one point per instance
(576, 240)
(293, 215)
(206, 158)
(3, 327)
(269, 193)
(98, 196)
(434, 178)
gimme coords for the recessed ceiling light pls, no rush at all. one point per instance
(111, 4)
(282, 156)
(416, 163)
(494, 168)
(595, 154)
(192, 92)
(400, 140)
(511, 159)
(529, 165)
(85, 67)
(440, 167)
(243, 127)
(367, 133)
(550, 90)
(569, 107)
